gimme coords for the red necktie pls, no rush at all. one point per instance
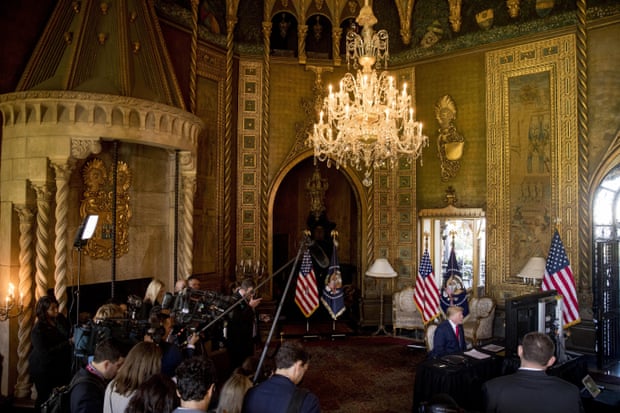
(457, 332)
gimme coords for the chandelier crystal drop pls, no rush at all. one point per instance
(368, 122)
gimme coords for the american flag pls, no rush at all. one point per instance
(559, 277)
(306, 293)
(425, 293)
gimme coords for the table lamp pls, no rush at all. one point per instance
(534, 270)
(381, 269)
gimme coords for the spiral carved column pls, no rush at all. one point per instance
(192, 56)
(231, 21)
(264, 153)
(186, 233)
(26, 318)
(302, 31)
(585, 234)
(43, 238)
(63, 173)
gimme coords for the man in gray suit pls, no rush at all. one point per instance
(530, 389)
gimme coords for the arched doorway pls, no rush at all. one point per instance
(292, 215)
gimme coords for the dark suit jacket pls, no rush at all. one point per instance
(274, 396)
(531, 391)
(445, 341)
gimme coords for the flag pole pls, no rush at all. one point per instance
(304, 244)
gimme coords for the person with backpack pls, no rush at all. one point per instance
(50, 359)
(89, 383)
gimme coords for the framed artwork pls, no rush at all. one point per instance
(532, 176)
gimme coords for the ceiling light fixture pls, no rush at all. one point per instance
(367, 123)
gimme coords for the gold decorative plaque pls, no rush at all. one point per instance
(98, 200)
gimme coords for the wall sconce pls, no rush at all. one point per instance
(7, 310)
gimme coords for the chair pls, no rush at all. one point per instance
(478, 325)
(405, 314)
(429, 336)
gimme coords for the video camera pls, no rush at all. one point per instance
(197, 306)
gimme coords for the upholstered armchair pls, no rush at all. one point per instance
(478, 325)
(429, 336)
(405, 314)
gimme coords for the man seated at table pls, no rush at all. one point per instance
(449, 336)
(530, 389)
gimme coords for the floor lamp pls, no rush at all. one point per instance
(83, 234)
(381, 269)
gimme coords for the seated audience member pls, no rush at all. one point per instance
(158, 394)
(449, 336)
(530, 389)
(280, 392)
(232, 393)
(87, 394)
(143, 361)
(195, 379)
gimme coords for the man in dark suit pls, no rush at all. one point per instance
(530, 389)
(279, 393)
(449, 336)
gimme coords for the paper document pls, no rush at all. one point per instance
(493, 347)
(476, 354)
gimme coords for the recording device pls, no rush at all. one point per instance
(194, 309)
(134, 304)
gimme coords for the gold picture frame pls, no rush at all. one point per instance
(532, 175)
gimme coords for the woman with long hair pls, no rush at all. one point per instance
(143, 361)
(152, 297)
(233, 391)
(50, 359)
(156, 395)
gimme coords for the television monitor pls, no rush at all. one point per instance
(531, 312)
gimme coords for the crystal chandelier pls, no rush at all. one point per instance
(367, 123)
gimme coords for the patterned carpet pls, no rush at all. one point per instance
(362, 374)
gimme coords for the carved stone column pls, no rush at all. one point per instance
(336, 35)
(302, 30)
(63, 173)
(187, 167)
(26, 318)
(43, 238)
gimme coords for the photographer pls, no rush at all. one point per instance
(173, 353)
(242, 325)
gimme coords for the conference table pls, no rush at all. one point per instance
(462, 376)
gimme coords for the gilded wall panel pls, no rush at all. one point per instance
(249, 161)
(532, 157)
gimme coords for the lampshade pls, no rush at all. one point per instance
(534, 268)
(381, 268)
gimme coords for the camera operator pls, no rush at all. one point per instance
(242, 324)
(173, 352)
(109, 322)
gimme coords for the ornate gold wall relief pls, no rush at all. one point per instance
(98, 200)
